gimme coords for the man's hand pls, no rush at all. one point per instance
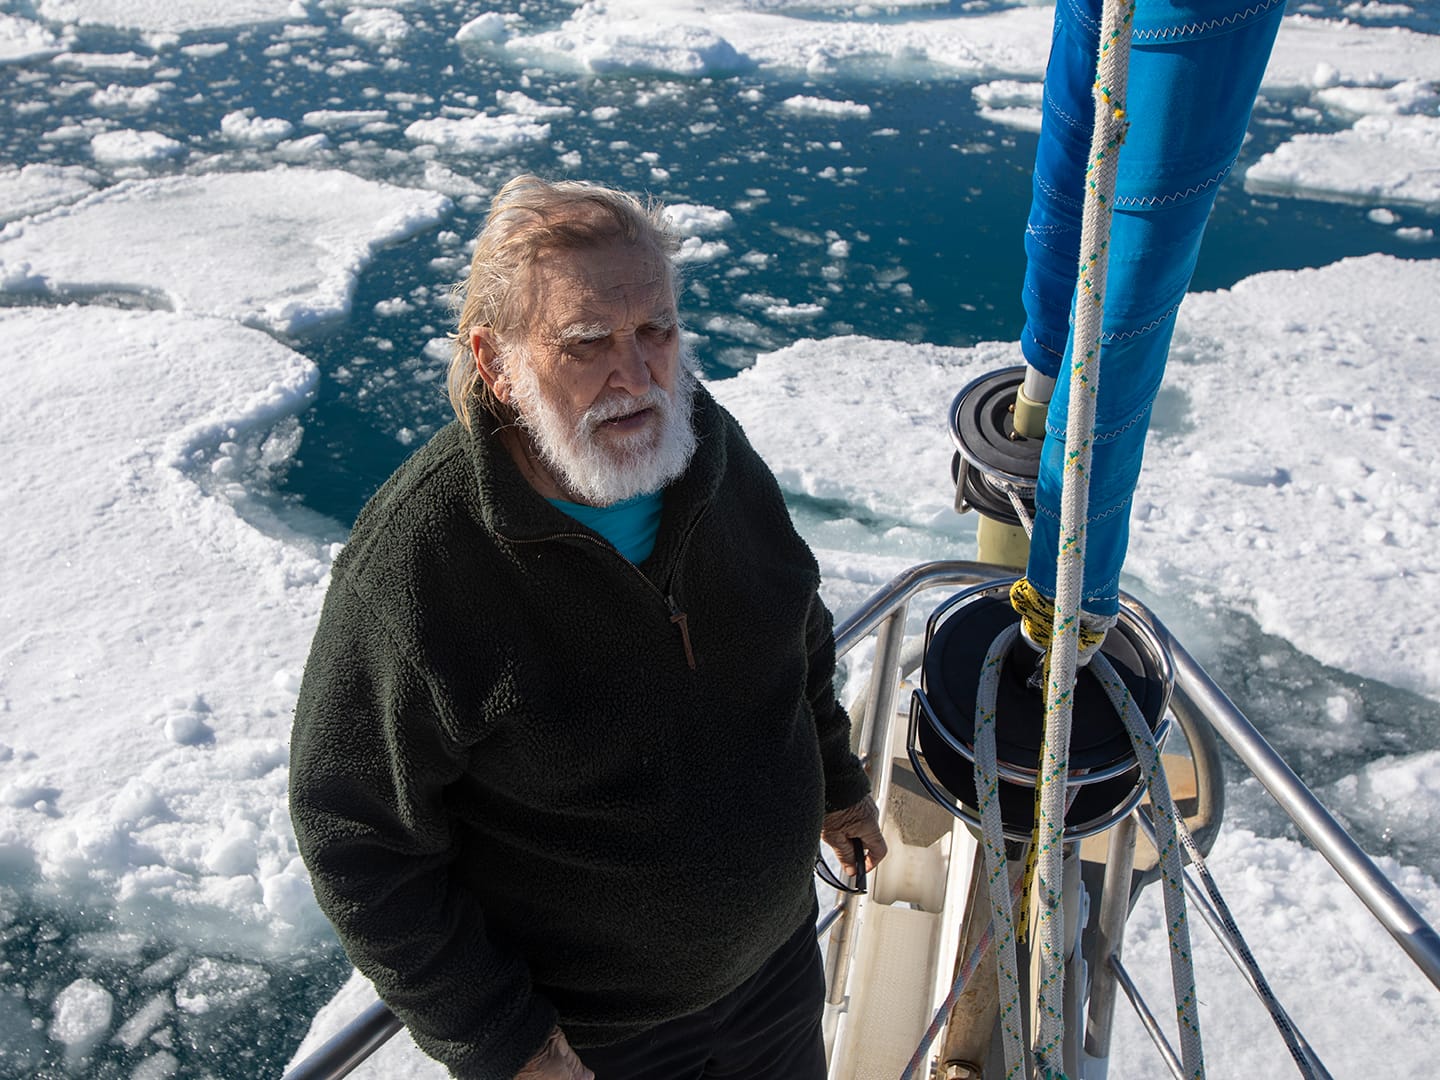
(860, 822)
(555, 1061)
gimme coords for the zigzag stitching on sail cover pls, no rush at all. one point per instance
(1201, 27)
(1139, 417)
(1160, 200)
(1140, 331)
(1045, 511)
(1111, 339)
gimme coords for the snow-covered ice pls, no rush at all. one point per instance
(1312, 54)
(33, 188)
(482, 134)
(691, 38)
(153, 607)
(165, 17)
(22, 39)
(817, 106)
(82, 1017)
(133, 147)
(691, 219)
(1390, 159)
(280, 249)
(243, 126)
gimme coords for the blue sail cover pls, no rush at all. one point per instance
(1195, 68)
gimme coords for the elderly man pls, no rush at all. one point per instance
(567, 738)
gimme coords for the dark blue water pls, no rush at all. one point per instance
(930, 200)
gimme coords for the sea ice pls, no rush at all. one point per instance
(694, 219)
(1011, 103)
(212, 985)
(1402, 791)
(126, 99)
(21, 39)
(82, 1013)
(88, 61)
(1313, 53)
(31, 189)
(1321, 952)
(1375, 9)
(489, 27)
(815, 106)
(1411, 96)
(1393, 159)
(524, 105)
(694, 38)
(876, 406)
(121, 521)
(478, 134)
(343, 119)
(160, 1065)
(243, 126)
(694, 250)
(380, 26)
(145, 1020)
(280, 249)
(133, 147)
(167, 17)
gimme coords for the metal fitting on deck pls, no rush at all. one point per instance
(961, 1070)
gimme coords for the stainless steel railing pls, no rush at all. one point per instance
(349, 1046)
(884, 614)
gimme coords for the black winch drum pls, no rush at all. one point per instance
(1104, 774)
(991, 457)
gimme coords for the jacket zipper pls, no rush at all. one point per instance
(680, 619)
(667, 596)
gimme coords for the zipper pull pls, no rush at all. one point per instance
(680, 619)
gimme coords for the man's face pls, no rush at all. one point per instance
(598, 380)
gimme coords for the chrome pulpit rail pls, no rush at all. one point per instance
(349, 1046)
(1196, 695)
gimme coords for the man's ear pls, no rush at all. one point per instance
(486, 350)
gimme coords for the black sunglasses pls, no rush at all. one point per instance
(823, 871)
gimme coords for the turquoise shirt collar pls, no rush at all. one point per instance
(631, 526)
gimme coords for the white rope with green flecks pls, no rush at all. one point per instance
(1172, 863)
(1048, 938)
(1111, 81)
(997, 867)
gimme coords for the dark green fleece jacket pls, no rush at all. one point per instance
(535, 783)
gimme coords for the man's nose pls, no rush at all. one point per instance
(631, 372)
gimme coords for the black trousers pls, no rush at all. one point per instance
(766, 1029)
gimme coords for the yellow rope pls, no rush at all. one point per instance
(1037, 611)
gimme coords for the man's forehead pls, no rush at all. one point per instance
(578, 286)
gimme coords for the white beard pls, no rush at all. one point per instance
(607, 469)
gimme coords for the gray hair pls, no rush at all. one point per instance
(528, 218)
